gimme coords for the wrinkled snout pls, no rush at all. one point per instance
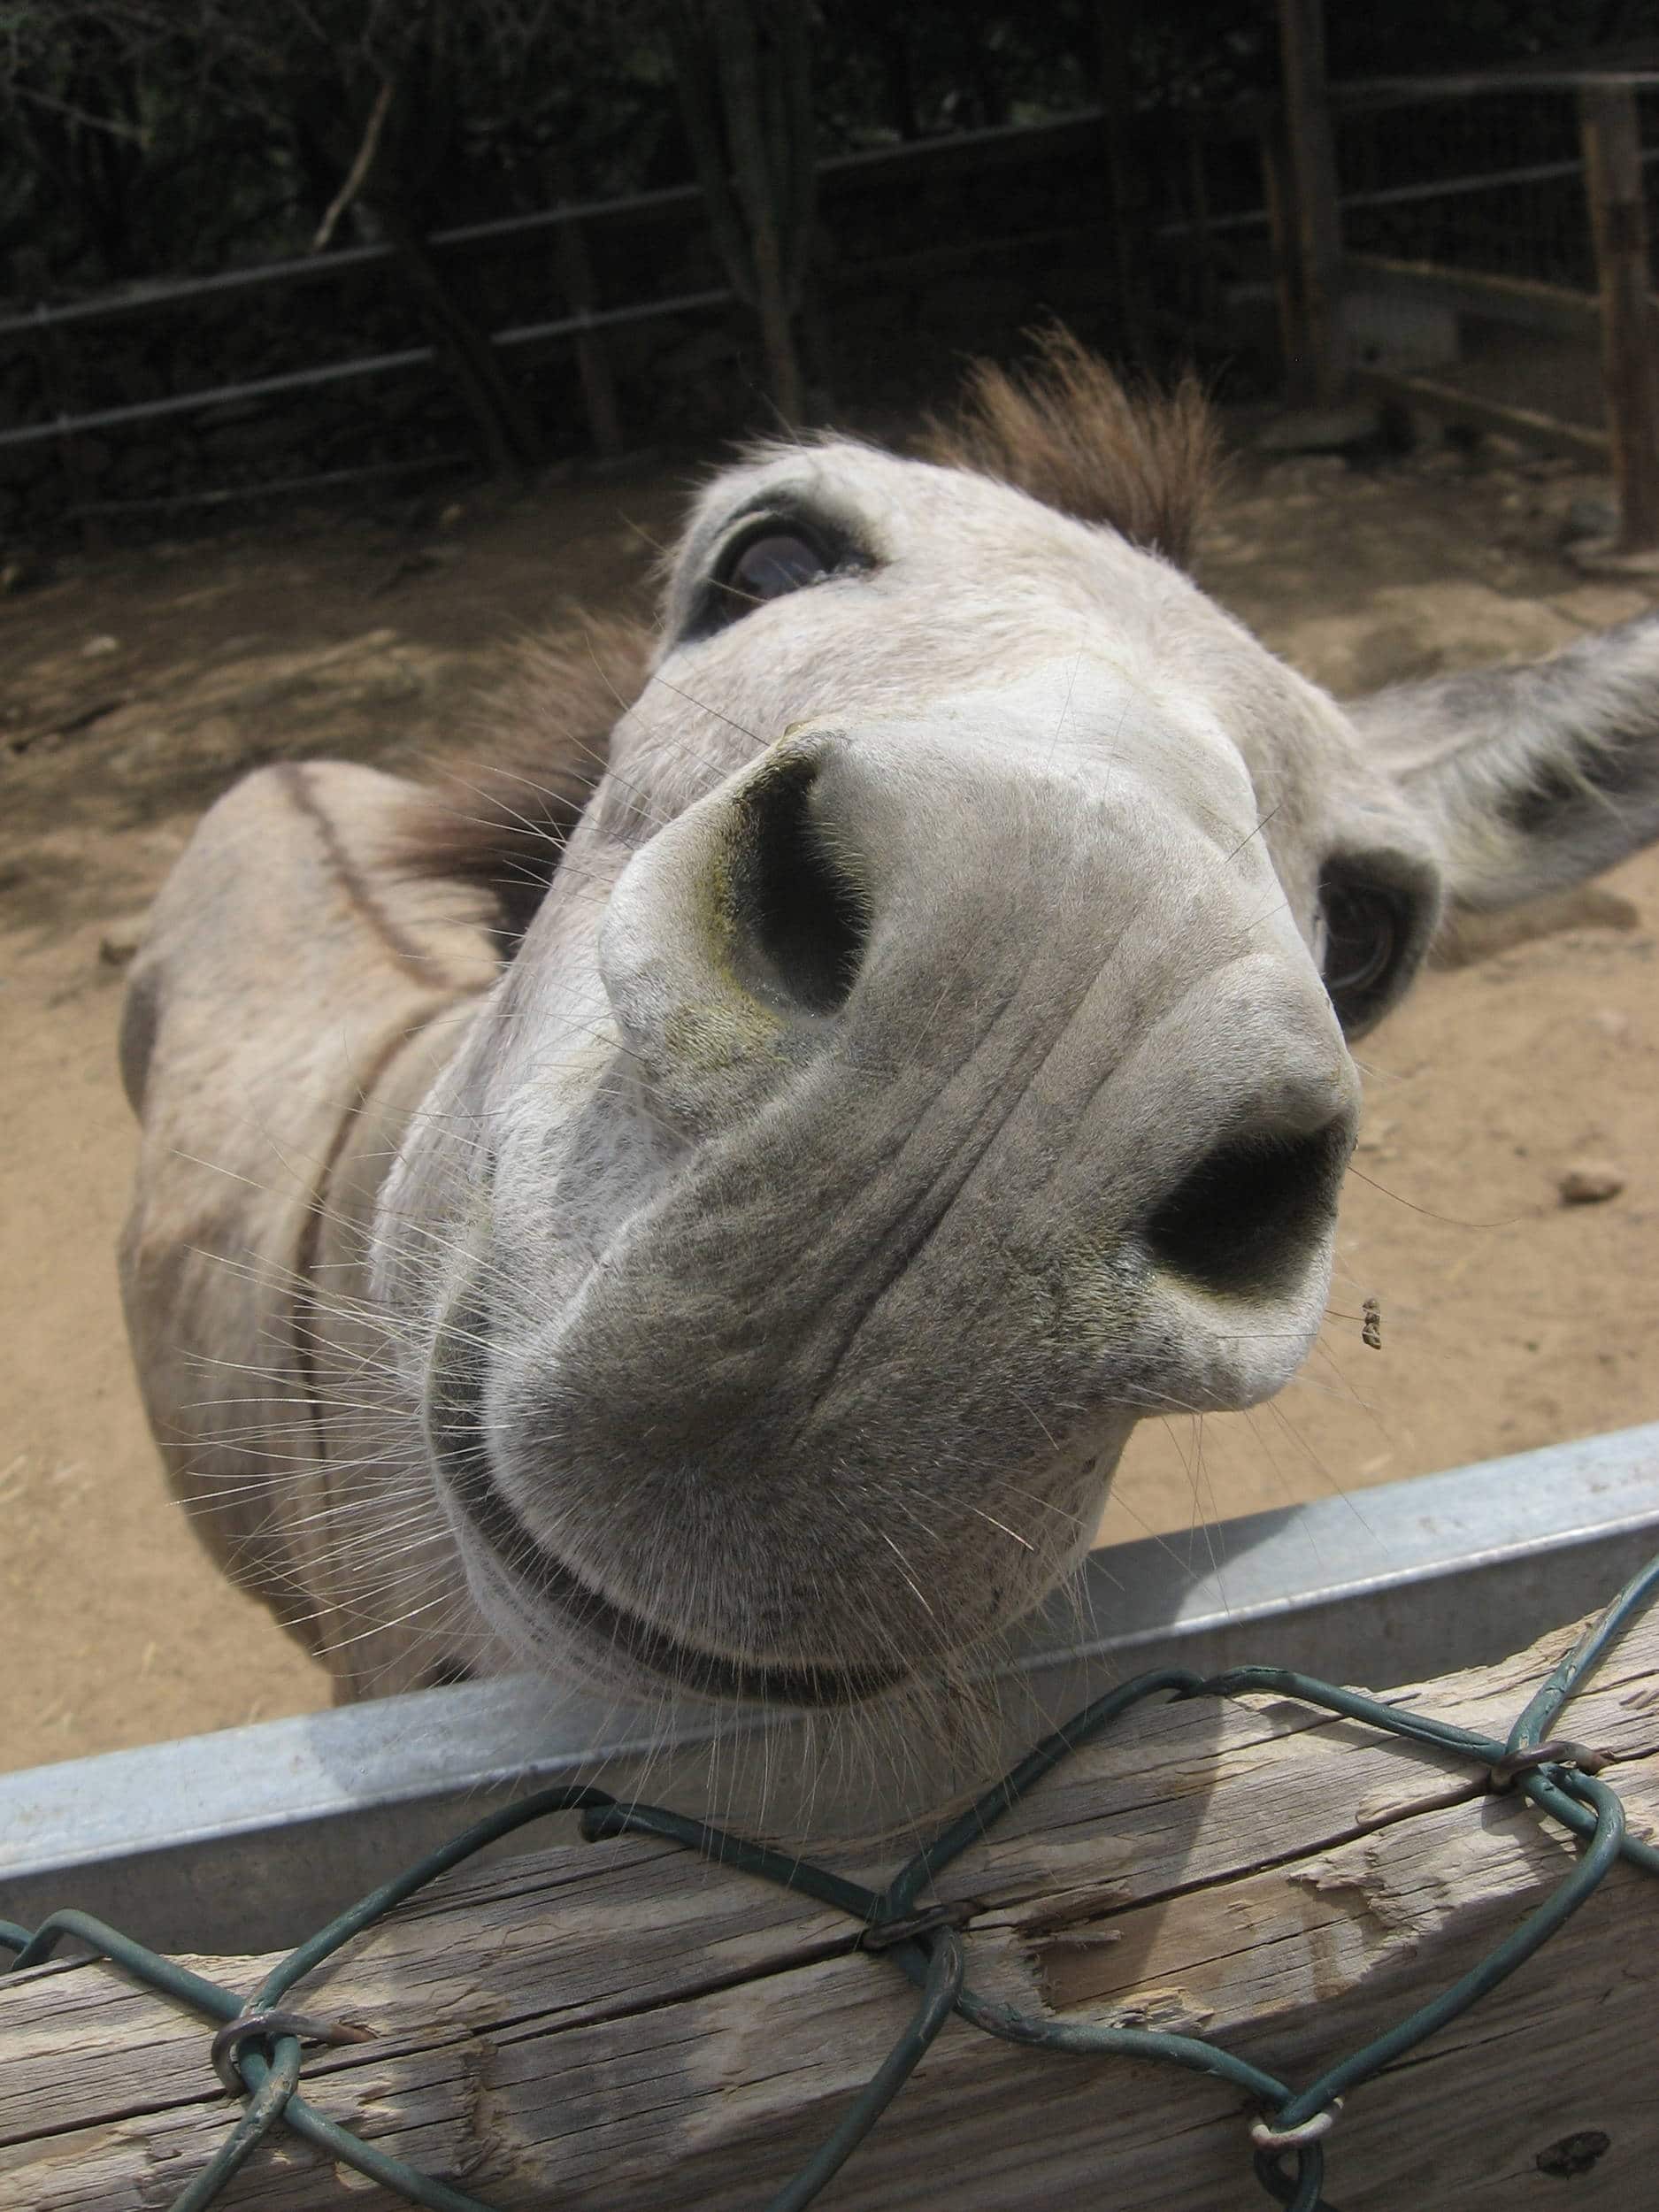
(1053, 1012)
(991, 1101)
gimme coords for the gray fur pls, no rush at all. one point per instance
(695, 1305)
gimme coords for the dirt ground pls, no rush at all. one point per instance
(135, 688)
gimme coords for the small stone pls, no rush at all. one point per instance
(96, 648)
(121, 941)
(1590, 1183)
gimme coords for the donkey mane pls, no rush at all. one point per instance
(1066, 431)
(498, 818)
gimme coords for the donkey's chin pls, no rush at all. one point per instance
(546, 1605)
(542, 1602)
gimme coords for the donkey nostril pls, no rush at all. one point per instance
(801, 923)
(1245, 1220)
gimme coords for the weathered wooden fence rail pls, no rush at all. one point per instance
(49, 330)
(620, 2024)
(1226, 203)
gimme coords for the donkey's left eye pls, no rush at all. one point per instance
(1363, 940)
(770, 566)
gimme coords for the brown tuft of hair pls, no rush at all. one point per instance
(1066, 431)
(499, 817)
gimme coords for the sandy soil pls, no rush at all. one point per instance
(137, 688)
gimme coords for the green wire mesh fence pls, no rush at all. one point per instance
(258, 2047)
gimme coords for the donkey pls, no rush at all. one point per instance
(698, 1207)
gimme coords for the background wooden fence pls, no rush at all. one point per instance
(1031, 199)
(1423, 222)
(1389, 237)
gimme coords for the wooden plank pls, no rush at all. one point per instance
(1455, 405)
(1520, 300)
(1363, 92)
(593, 360)
(622, 2025)
(1114, 27)
(1613, 179)
(1316, 361)
(1280, 189)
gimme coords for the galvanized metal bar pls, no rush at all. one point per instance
(245, 1840)
(652, 203)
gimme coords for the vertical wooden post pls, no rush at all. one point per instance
(745, 90)
(593, 363)
(1280, 196)
(55, 370)
(761, 167)
(1316, 365)
(1613, 179)
(1113, 22)
(1206, 290)
(504, 422)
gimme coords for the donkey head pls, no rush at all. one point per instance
(930, 1052)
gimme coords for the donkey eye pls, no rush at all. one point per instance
(770, 565)
(1362, 937)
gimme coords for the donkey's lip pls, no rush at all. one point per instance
(463, 1462)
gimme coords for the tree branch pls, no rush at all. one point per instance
(360, 167)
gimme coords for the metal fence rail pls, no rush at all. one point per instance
(243, 1840)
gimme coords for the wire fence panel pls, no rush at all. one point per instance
(915, 1921)
(1494, 185)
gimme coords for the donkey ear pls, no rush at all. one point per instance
(1528, 779)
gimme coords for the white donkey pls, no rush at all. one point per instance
(706, 1212)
